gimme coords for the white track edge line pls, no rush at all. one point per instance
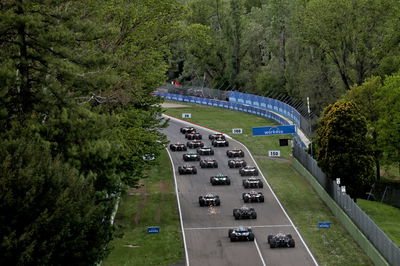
(179, 209)
(284, 211)
(197, 125)
(259, 252)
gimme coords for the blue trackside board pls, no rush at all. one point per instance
(274, 130)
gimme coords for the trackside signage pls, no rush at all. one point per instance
(153, 229)
(324, 225)
(274, 130)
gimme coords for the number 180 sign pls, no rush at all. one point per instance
(237, 130)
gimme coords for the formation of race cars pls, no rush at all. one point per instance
(234, 160)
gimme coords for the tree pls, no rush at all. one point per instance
(52, 215)
(365, 97)
(343, 149)
(389, 119)
(76, 118)
(356, 36)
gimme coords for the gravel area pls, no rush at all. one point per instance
(172, 105)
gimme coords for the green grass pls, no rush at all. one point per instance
(332, 246)
(158, 209)
(391, 172)
(385, 216)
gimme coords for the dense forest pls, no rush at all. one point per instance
(76, 119)
(301, 48)
(328, 51)
(77, 116)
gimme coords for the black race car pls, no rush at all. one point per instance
(191, 156)
(209, 199)
(236, 163)
(216, 136)
(208, 163)
(241, 234)
(248, 170)
(187, 170)
(280, 240)
(185, 130)
(178, 147)
(220, 143)
(220, 180)
(195, 144)
(205, 151)
(235, 153)
(253, 182)
(193, 135)
(244, 213)
(253, 196)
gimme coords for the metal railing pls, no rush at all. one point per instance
(389, 250)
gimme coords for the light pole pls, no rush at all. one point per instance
(309, 123)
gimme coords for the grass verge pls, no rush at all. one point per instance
(333, 246)
(152, 204)
(385, 216)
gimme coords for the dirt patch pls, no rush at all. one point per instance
(163, 191)
(130, 246)
(172, 105)
(143, 195)
(271, 158)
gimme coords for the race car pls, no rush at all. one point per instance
(248, 170)
(220, 143)
(220, 179)
(216, 136)
(185, 130)
(241, 234)
(205, 151)
(236, 163)
(235, 153)
(280, 240)
(191, 156)
(253, 196)
(253, 182)
(208, 163)
(193, 135)
(244, 213)
(178, 147)
(209, 199)
(194, 144)
(187, 170)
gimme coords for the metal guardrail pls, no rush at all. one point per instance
(389, 250)
(306, 123)
(378, 238)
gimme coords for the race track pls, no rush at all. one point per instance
(206, 228)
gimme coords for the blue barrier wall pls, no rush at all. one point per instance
(237, 106)
(267, 104)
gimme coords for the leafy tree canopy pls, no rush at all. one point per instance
(343, 151)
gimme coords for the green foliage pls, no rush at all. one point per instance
(389, 119)
(317, 48)
(52, 216)
(354, 35)
(343, 150)
(76, 118)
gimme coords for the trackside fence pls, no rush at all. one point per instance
(228, 105)
(246, 99)
(389, 250)
(372, 232)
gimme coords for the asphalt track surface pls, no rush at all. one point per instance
(205, 229)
